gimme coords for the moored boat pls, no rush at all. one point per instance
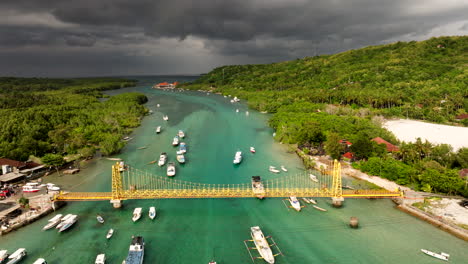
(3, 255)
(262, 244)
(162, 159)
(52, 222)
(296, 205)
(305, 200)
(312, 201)
(136, 214)
(175, 141)
(158, 105)
(171, 171)
(158, 130)
(165, 118)
(319, 208)
(181, 158)
(109, 233)
(237, 110)
(152, 212)
(136, 251)
(273, 169)
(100, 219)
(246, 113)
(237, 157)
(181, 134)
(257, 187)
(39, 261)
(283, 168)
(252, 149)
(100, 259)
(441, 256)
(313, 177)
(183, 147)
(17, 256)
(30, 189)
(63, 221)
(68, 223)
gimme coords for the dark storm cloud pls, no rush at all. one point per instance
(263, 29)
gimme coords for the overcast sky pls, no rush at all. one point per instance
(60, 38)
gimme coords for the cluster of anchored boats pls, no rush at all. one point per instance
(17, 256)
(61, 223)
(171, 169)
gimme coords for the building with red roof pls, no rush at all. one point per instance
(348, 155)
(166, 85)
(390, 146)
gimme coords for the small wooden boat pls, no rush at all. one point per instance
(110, 233)
(142, 147)
(152, 162)
(312, 201)
(305, 200)
(319, 208)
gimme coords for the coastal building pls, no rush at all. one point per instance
(390, 147)
(13, 170)
(166, 85)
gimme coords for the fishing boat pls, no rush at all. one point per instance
(100, 219)
(136, 214)
(273, 169)
(100, 259)
(136, 252)
(312, 201)
(237, 157)
(296, 205)
(39, 261)
(175, 141)
(262, 244)
(313, 177)
(3, 255)
(17, 256)
(171, 171)
(442, 255)
(165, 118)
(183, 147)
(52, 222)
(30, 189)
(305, 200)
(63, 221)
(257, 187)
(109, 233)
(252, 149)
(181, 134)
(70, 222)
(158, 130)
(152, 212)
(181, 158)
(319, 208)
(283, 168)
(162, 159)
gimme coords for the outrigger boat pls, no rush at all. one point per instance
(257, 187)
(110, 233)
(262, 244)
(295, 203)
(136, 214)
(441, 256)
(52, 222)
(313, 177)
(152, 212)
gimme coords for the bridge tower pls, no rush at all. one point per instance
(117, 188)
(337, 186)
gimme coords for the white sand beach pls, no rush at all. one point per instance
(410, 130)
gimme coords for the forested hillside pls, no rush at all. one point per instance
(319, 100)
(65, 116)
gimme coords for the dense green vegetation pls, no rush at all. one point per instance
(319, 100)
(65, 116)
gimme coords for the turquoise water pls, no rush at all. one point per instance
(196, 230)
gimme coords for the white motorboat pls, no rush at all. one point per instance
(152, 212)
(175, 141)
(40, 261)
(181, 134)
(262, 244)
(252, 149)
(53, 188)
(273, 169)
(68, 223)
(17, 256)
(237, 110)
(136, 214)
(52, 222)
(100, 219)
(165, 118)
(162, 159)
(296, 205)
(100, 259)
(171, 171)
(181, 158)
(237, 157)
(442, 255)
(3, 255)
(182, 148)
(158, 129)
(283, 168)
(109, 233)
(63, 221)
(313, 177)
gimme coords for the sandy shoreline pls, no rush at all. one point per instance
(410, 130)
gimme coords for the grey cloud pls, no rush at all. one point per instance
(80, 40)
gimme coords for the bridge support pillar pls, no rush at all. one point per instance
(116, 203)
(337, 201)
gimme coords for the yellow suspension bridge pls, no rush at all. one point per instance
(131, 183)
